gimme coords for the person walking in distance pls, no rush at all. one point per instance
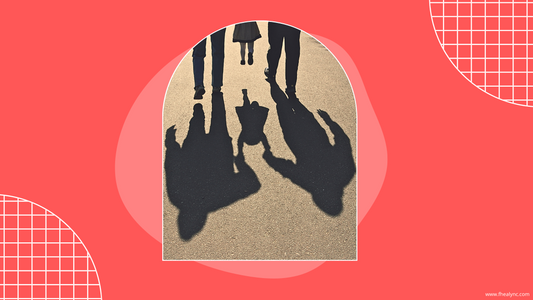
(277, 33)
(246, 34)
(217, 53)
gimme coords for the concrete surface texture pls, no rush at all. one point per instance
(281, 220)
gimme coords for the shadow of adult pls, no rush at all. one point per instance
(321, 169)
(200, 176)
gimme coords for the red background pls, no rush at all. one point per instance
(453, 218)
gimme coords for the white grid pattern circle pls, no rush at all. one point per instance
(41, 256)
(488, 42)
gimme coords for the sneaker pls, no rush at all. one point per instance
(269, 77)
(250, 59)
(199, 91)
(243, 62)
(290, 90)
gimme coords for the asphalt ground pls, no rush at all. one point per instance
(280, 221)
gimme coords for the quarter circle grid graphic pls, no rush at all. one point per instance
(41, 256)
(488, 42)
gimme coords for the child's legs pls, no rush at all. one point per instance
(243, 50)
(251, 47)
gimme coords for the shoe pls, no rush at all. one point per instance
(290, 90)
(269, 77)
(199, 91)
(250, 59)
(243, 62)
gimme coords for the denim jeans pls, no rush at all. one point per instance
(276, 34)
(217, 53)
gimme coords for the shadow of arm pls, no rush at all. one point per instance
(283, 166)
(343, 147)
(339, 136)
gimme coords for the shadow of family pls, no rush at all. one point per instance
(200, 174)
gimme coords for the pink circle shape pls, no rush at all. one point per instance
(138, 164)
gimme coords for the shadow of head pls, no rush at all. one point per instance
(198, 110)
(190, 223)
(329, 200)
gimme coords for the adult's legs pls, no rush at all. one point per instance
(275, 40)
(292, 53)
(217, 51)
(198, 54)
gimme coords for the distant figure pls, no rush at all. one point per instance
(246, 34)
(252, 118)
(277, 33)
(217, 53)
(200, 176)
(321, 169)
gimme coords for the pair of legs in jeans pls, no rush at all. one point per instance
(217, 53)
(276, 34)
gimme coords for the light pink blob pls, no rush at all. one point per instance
(139, 171)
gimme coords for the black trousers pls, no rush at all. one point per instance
(276, 34)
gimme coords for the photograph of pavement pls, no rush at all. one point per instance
(287, 188)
